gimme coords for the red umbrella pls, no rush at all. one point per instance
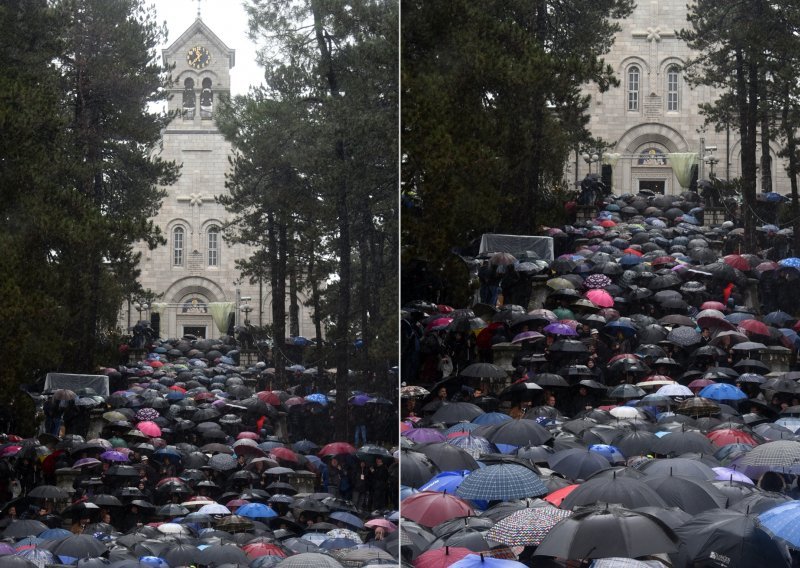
(608, 223)
(730, 436)
(258, 549)
(737, 261)
(441, 557)
(429, 508)
(294, 401)
(284, 454)
(269, 397)
(438, 323)
(698, 384)
(633, 251)
(754, 327)
(557, 496)
(336, 449)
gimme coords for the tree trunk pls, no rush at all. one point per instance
(278, 285)
(294, 303)
(342, 339)
(791, 170)
(746, 96)
(766, 135)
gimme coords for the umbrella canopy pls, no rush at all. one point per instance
(501, 482)
(783, 522)
(780, 455)
(622, 490)
(429, 508)
(526, 527)
(577, 463)
(605, 532)
(730, 536)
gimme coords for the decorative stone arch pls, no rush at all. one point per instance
(175, 320)
(664, 66)
(633, 141)
(778, 164)
(204, 238)
(633, 60)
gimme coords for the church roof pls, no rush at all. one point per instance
(199, 27)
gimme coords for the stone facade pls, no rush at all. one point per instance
(197, 267)
(663, 116)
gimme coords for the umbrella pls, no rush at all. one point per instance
(48, 492)
(728, 537)
(483, 371)
(526, 527)
(447, 457)
(577, 463)
(683, 467)
(622, 490)
(691, 495)
(501, 482)
(78, 546)
(782, 522)
(561, 329)
(609, 531)
(454, 412)
(20, 528)
(683, 442)
(429, 508)
(779, 455)
(441, 557)
(518, 433)
(413, 391)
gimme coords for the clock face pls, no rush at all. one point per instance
(198, 57)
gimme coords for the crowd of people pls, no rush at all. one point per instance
(648, 340)
(188, 451)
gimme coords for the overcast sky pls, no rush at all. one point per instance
(227, 19)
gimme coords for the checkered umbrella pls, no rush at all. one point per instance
(412, 391)
(501, 482)
(223, 462)
(596, 281)
(526, 527)
(777, 454)
(146, 414)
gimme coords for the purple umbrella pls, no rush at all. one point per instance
(360, 399)
(527, 336)
(728, 474)
(424, 435)
(86, 462)
(560, 329)
(114, 456)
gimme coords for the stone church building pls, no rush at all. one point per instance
(654, 113)
(195, 272)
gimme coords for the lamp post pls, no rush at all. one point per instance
(245, 307)
(590, 159)
(711, 161)
(141, 307)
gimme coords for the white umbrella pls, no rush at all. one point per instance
(675, 390)
(624, 412)
(214, 509)
(173, 528)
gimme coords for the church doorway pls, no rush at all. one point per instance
(656, 186)
(199, 331)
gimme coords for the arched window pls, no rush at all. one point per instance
(672, 89)
(633, 88)
(206, 100)
(177, 246)
(188, 98)
(213, 246)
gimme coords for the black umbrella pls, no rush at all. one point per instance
(683, 467)
(21, 528)
(483, 371)
(455, 412)
(549, 380)
(446, 457)
(723, 534)
(635, 442)
(416, 468)
(608, 532)
(691, 495)
(577, 463)
(677, 443)
(78, 546)
(182, 554)
(48, 492)
(518, 433)
(218, 554)
(622, 490)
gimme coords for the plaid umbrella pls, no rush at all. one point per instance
(526, 527)
(697, 406)
(776, 454)
(501, 482)
(683, 336)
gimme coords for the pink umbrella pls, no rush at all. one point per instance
(388, 525)
(149, 429)
(439, 323)
(9, 451)
(600, 298)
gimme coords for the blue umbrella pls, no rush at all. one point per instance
(475, 445)
(722, 391)
(256, 511)
(463, 427)
(625, 328)
(479, 561)
(38, 556)
(783, 522)
(611, 453)
(406, 491)
(153, 561)
(502, 482)
(446, 481)
(319, 398)
(54, 534)
(347, 518)
(491, 418)
(791, 262)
